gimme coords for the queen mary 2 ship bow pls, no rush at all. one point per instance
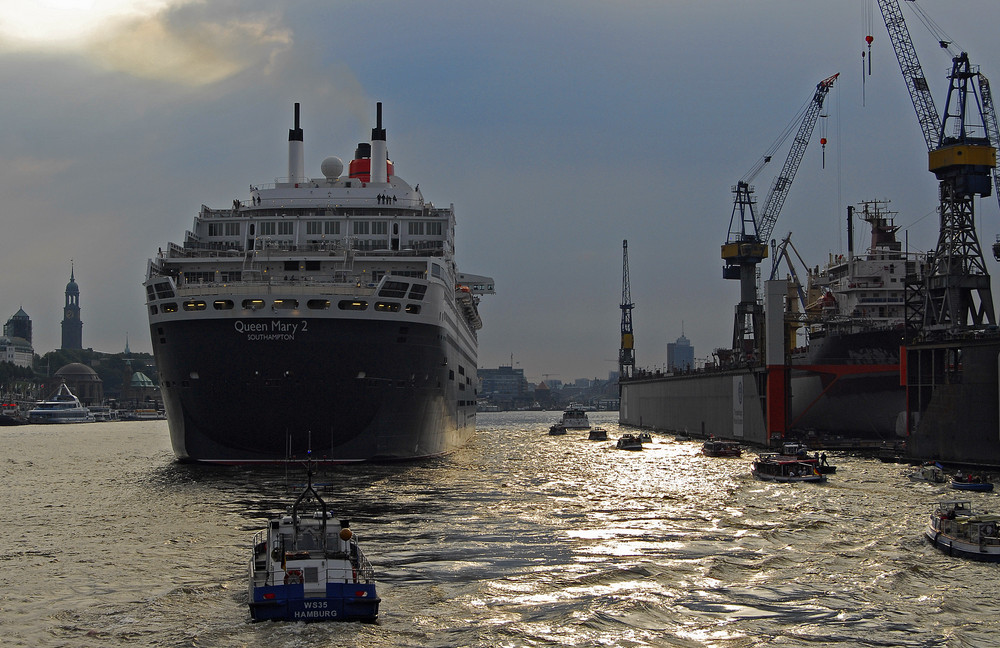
(321, 316)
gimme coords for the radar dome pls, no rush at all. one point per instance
(332, 167)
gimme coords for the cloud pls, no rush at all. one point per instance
(190, 47)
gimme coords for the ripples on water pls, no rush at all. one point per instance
(519, 539)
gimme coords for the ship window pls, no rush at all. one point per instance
(434, 229)
(331, 227)
(314, 227)
(451, 374)
(461, 370)
(170, 307)
(413, 309)
(291, 266)
(267, 228)
(226, 277)
(387, 307)
(286, 304)
(312, 266)
(357, 304)
(154, 310)
(223, 304)
(415, 228)
(285, 228)
(361, 227)
(318, 304)
(194, 305)
(164, 291)
(394, 289)
(253, 304)
(380, 227)
(417, 291)
(150, 293)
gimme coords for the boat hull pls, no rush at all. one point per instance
(343, 602)
(960, 548)
(982, 487)
(784, 479)
(348, 391)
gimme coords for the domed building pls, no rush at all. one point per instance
(82, 381)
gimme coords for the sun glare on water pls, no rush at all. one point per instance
(55, 24)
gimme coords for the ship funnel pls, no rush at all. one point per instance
(296, 157)
(380, 154)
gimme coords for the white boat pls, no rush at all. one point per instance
(575, 418)
(62, 407)
(957, 530)
(306, 568)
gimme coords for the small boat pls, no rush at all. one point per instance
(598, 434)
(718, 448)
(930, 471)
(783, 468)
(575, 418)
(971, 483)
(645, 437)
(557, 428)
(629, 442)
(958, 531)
(306, 568)
(62, 407)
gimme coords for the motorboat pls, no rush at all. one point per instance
(62, 407)
(557, 429)
(305, 567)
(957, 530)
(629, 442)
(598, 434)
(971, 483)
(575, 418)
(930, 471)
(719, 448)
(644, 437)
(784, 468)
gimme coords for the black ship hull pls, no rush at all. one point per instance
(337, 390)
(848, 384)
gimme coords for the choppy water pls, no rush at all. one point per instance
(519, 539)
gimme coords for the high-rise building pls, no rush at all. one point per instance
(680, 354)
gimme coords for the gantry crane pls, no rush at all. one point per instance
(962, 163)
(626, 354)
(748, 237)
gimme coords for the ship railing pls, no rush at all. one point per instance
(316, 288)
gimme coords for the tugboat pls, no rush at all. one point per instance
(305, 568)
(955, 529)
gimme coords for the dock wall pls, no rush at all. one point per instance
(728, 404)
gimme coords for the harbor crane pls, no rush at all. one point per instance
(748, 238)
(960, 155)
(626, 354)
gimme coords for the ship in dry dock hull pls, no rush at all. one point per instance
(318, 315)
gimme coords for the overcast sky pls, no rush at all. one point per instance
(557, 129)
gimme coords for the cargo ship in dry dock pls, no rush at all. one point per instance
(843, 384)
(318, 315)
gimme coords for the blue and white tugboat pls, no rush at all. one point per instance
(307, 568)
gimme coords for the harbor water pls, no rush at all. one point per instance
(518, 539)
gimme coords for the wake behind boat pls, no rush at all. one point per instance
(330, 304)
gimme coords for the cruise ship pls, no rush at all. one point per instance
(318, 316)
